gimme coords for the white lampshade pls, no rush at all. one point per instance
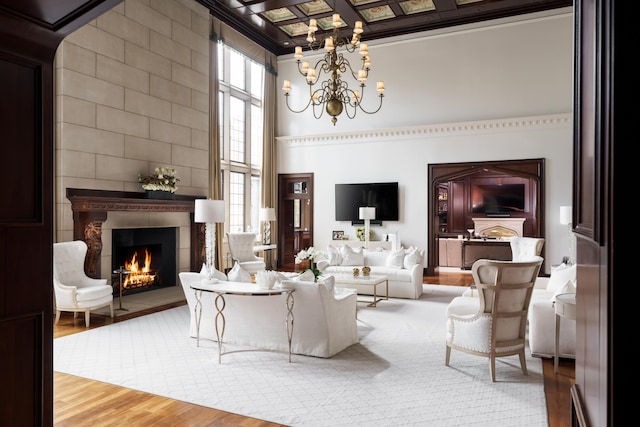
(367, 212)
(267, 214)
(565, 215)
(209, 211)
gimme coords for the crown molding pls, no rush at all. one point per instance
(440, 130)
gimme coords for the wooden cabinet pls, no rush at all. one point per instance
(473, 250)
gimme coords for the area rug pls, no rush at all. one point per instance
(394, 376)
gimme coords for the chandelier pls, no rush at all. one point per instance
(333, 94)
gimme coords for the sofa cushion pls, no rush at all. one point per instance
(238, 274)
(412, 257)
(216, 274)
(306, 276)
(335, 257)
(396, 259)
(568, 288)
(351, 256)
(560, 276)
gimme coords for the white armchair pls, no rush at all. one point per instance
(241, 249)
(494, 324)
(324, 317)
(75, 291)
(522, 249)
(525, 248)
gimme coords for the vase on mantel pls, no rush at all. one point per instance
(160, 195)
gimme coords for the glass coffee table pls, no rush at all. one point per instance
(346, 280)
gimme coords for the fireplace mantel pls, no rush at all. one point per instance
(90, 209)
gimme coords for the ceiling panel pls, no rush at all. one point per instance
(280, 25)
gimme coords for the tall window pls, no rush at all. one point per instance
(240, 123)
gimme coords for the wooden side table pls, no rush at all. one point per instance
(565, 306)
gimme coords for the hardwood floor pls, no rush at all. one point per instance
(79, 401)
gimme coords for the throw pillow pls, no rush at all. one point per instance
(395, 259)
(560, 275)
(568, 288)
(305, 276)
(352, 256)
(216, 274)
(239, 274)
(335, 258)
(411, 257)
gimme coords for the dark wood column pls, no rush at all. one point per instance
(90, 209)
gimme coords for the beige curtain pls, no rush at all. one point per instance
(215, 169)
(269, 153)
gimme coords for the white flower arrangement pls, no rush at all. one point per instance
(164, 179)
(311, 254)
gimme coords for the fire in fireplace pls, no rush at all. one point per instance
(149, 254)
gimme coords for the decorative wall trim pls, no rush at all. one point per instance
(441, 130)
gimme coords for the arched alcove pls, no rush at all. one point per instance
(455, 182)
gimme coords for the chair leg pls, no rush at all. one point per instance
(523, 363)
(492, 368)
(57, 317)
(446, 360)
(87, 318)
(111, 309)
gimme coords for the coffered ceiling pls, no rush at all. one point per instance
(280, 25)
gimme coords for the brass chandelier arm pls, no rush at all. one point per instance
(300, 110)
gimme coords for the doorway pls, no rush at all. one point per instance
(295, 217)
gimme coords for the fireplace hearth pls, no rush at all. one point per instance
(149, 254)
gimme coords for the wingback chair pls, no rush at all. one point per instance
(525, 248)
(241, 249)
(75, 291)
(493, 324)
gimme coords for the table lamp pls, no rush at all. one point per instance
(210, 212)
(267, 215)
(566, 219)
(367, 213)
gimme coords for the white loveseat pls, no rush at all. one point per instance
(542, 316)
(403, 267)
(324, 317)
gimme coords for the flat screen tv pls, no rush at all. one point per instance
(492, 199)
(381, 195)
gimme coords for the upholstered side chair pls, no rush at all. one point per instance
(525, 248)
(75, 291)
(241, 250)
(493, 324)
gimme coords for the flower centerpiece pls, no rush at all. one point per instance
(164, 179)
(312, 255)
(360, 233)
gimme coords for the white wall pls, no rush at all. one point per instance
(500, 92)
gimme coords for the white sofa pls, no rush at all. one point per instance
(542, 326)
(404, 268)
(324, 317)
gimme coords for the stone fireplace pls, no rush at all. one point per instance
(91, 209)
